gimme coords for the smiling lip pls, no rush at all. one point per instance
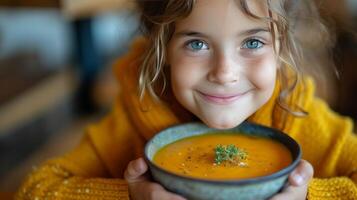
(221, 99)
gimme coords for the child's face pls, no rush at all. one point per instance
(223, 66)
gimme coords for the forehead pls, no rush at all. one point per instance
(223, 16)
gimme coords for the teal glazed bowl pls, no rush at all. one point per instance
(201, 189)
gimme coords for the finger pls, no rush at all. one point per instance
(135, 171)
(163, 195)
(158, 192)
(302, 174)
(292, 193)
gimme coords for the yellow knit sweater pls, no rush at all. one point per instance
(94, 170)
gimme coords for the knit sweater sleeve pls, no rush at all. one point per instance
(344, 185)
(94, 169)
(333, 152)
(73, 177)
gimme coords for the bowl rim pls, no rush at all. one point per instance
(245, 181)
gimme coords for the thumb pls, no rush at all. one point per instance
(135, 171)
(302, 174)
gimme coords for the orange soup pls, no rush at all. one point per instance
(195, 157)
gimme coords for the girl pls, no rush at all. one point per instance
(222, 62)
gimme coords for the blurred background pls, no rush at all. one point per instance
(56, 78)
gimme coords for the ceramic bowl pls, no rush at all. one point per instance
(202, 189)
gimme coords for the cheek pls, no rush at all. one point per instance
(186, 71)
(181, 72)
(263, 72)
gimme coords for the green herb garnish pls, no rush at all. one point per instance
(230, 154)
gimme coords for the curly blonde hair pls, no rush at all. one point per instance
(295, 24)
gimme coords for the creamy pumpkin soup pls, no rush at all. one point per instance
(224, 156)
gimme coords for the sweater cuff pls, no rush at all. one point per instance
(332, 188)
(81, 188)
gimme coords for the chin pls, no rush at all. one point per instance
(224, 124)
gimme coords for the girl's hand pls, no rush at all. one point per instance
(298, 183)
(140, 186)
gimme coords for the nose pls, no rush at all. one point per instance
(224, 71)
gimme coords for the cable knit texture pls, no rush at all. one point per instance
(94, 170)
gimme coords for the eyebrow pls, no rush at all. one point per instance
(242, 33)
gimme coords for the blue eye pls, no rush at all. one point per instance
(252, 44)
(197, 45)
